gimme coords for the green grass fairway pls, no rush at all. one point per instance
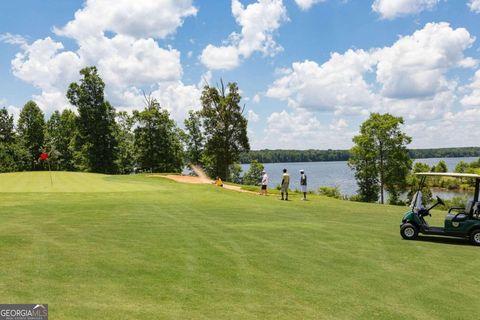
(136, 247)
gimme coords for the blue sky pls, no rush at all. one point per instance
(310, 71)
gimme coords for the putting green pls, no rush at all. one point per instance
(133, 247)
(45, 182)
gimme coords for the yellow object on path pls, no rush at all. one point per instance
(219, 182)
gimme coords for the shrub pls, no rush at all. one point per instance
(356, 198)
(332, 192)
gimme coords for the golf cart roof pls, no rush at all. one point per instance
(449, 174)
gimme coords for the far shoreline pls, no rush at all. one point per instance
(330, 155)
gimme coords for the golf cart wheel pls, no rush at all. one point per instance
(409, 232)
(475, 237)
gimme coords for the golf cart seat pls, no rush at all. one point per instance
(463, 212)
(476, 210)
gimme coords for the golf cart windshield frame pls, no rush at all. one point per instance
(424, 175)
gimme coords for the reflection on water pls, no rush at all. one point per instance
(337, 173)
(448, 194)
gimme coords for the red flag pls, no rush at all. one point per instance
(43, 156)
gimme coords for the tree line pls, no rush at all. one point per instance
(276, 156)
(99, 139)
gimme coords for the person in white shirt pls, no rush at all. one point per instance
(264, 184)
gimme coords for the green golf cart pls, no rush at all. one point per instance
(460, 222)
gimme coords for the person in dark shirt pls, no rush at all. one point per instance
(285, 183)
(303, 184)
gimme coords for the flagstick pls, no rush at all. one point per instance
(50, 171)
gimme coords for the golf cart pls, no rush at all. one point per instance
(460, 222)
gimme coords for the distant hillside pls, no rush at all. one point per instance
(272, 156)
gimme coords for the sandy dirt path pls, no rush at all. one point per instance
(199, 180)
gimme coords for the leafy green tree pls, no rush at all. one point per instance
(236, 173)
(7, 140)
(380, 158)
(420, 167)
(414, 182)
(14, 157)
(157, 140)
(364, 161)
(225, 128)
(96, 143)
(254, 174)
(461, 167)
(441, 167)
(475, 164)
(7, 160)
(7, 134)
(31, 130)
(125, 138)
(194, 139)
(61, 132)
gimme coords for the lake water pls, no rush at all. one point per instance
(337, 173)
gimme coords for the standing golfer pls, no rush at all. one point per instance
(303, 184)
(285, 183)
(263, 190)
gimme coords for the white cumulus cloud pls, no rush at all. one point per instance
(122, 61)
(140, 18)
(252, 116)
(307, 4)
(390, 9)
(474, 5)
(178, 98)
(48, 68)
(175, 96)
(473, 99)
(416, 65)
(454, 127)
(336, 83)
(128, 61)
(411, 78)
(15, 39)
(125, 61)
(410, 75)
(301, 129)
(217, 58)
(258, 22)
(45, 65)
